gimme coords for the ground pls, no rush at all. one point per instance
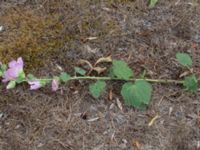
(146, 38)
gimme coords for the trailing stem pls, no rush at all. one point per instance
(165, 81)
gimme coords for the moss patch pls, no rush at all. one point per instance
(30, 35)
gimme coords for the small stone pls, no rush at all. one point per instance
(40, 145)
(123, 146)
(124, 141)
(1, 28)
(1, 115)
(198, 144)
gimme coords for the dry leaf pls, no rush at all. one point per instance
(137, 144)
(113, 136)
(119, 104)
(130, 55)
(153, 120)
(112, 106)
(106, 9)
(59, 67)
(184, 74)
(194, 45)
(92, 38)
(93, 119)
(170, 110)
(104, 59)
(110, 94)
(99, 70)
(191, 70)
(90, 50)
(82, 61)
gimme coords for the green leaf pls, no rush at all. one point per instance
(121, 70)
(137, 94)
(110, 73)
(56, 78)
(184, 59)
(97, 88)
(3, 67)
(44, 82)
(1, 73)
(21, 77)
(11, 84)
(64, 77)
(80, 71)
(143, 74)
(191, 83)
(152, 3)
(31, 77)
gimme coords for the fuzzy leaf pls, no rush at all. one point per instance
(191, 83)
(11, 84)
(3, 67)
(137, 94)
(31, 77)
(121, 70)
(21, 77)
(97, 88)
(43, 82)
(1, 73)
(64, 77)
(184, 59)
(152, 3)
(80, 71)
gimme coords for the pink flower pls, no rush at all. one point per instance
(54, 85)
(15, 68)
(34, 85)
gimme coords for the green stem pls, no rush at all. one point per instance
(118, 79)
(109, 78)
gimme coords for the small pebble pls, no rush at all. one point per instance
(1, 28)
(1, 115)
(196, 38)
(40, 145)
(198, 144)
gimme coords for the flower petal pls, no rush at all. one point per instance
(34, 85)
(15, 68)
(55, 85)
(12, 64)
(10, 74)
(20, 62)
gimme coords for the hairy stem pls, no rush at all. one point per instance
(117, 79)
(109, 78)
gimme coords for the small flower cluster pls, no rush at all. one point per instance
(14, 74)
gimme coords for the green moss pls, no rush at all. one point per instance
(98, 27)
(37, 35)
(31, 36)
